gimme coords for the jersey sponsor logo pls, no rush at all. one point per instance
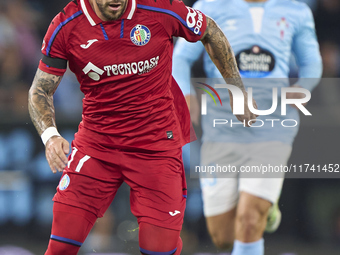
(140, 35)
(174, 213)
(193, 21)
(255, 62)
(93, 71)
(89, 43)
(64, 182)
(140, 67)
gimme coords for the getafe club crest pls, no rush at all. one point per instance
(140, 35)
(64, 182)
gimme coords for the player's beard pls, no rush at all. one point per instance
(109, 14)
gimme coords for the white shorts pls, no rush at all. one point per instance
(220, 191)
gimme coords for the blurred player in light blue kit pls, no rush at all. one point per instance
(263, 35)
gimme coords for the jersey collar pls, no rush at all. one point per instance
(95, 20)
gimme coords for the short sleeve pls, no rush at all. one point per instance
(54, 50)
(185, 21)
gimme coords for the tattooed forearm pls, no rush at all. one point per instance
(40, 100)
(221, 53)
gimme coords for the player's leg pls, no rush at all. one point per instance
(85, 191)
(152, 238)
(221, 229)
(158, 197)
(220, 194)
(70, 227)
(220, 197)
(250, 223)
(256, 197)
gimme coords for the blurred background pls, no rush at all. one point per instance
(310, 207)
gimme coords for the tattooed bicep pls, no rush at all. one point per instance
(212, 27)
(46, 82)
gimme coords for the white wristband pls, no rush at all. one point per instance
(48, 133)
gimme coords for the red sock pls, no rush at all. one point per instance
(70, 227)
(153, 239)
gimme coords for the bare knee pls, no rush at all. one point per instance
(221, 241)
(250, 224)
(221, 229)
(251, 217)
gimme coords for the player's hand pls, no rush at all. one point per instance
(248, 115)
(56, 150)
(296, 95)
(193, 106)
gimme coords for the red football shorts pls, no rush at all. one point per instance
(157, 182)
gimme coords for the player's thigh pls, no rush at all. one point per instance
(158, 187)
(88, 183)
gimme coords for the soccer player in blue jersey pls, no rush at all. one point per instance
(263, 35)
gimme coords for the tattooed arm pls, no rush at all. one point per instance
(221, 53)
(41, 109)
(40, 100)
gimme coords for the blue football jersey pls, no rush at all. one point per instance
(263, 37)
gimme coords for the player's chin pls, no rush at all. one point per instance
(114, 15)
